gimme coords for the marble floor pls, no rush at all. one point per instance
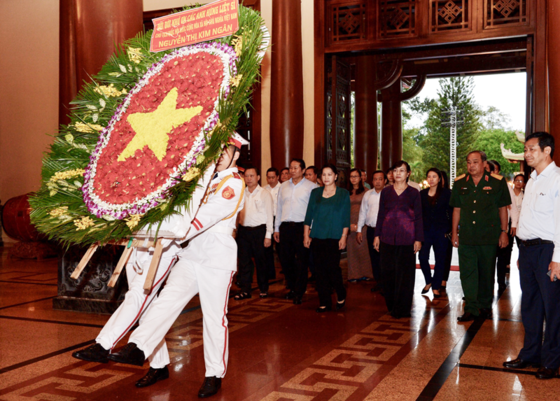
(278, 351)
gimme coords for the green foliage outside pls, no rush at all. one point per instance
(434, 141)
(414, 154)
(490, 140)
(428, 146)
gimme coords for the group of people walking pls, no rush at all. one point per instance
(311, 224)
(383, 229)
(394, 221)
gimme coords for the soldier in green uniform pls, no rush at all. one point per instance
(479, 200)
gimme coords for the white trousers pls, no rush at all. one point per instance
(187, 279)
(137, 301)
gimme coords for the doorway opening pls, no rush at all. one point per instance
(384, 107)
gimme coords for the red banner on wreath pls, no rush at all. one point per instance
(211, 21)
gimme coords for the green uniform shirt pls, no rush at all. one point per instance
(480, 217)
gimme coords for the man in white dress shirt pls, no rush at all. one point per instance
(368, 217)
(288, 229)
(254, 234)
(272, 177)
(539, 260)
(205, 267)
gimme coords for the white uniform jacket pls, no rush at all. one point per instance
(177, 225)
(216, 218)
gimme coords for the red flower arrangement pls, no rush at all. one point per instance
(142, 152)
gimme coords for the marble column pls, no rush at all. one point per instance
(286, 103)
(89, 31)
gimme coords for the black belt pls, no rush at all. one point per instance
(291, 223)
(536, 241)
(253, 228)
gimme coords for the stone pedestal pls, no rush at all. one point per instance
(90, 293)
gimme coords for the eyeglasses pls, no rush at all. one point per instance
(519, 181)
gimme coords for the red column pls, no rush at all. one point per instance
(89, 31)
(365, 151)
(391, 125)
(286, 103)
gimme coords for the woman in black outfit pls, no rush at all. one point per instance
(449, 255)
(326, 225)
(436, 214)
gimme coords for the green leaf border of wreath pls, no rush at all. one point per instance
(59, 204)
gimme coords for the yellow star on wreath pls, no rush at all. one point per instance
(152, 129)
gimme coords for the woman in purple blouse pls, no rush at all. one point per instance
(398, 236)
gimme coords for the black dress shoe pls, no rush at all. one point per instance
(323, 309)
(297, 300)
(467, 317)
(153, 376)
(520, 364)
(210, 387)
(130, 354)
(546, 373)
(290, 295)
(93, 353)
(486, 313)
(340, 305)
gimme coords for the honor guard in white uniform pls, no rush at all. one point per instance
(205, 267)
(137, 300)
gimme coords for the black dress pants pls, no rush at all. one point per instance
(447, 266)
(398, 272)
(269, 256)
(540, 298)
(294, 257)
(503, 259)
(250, 244)
(327, 269)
